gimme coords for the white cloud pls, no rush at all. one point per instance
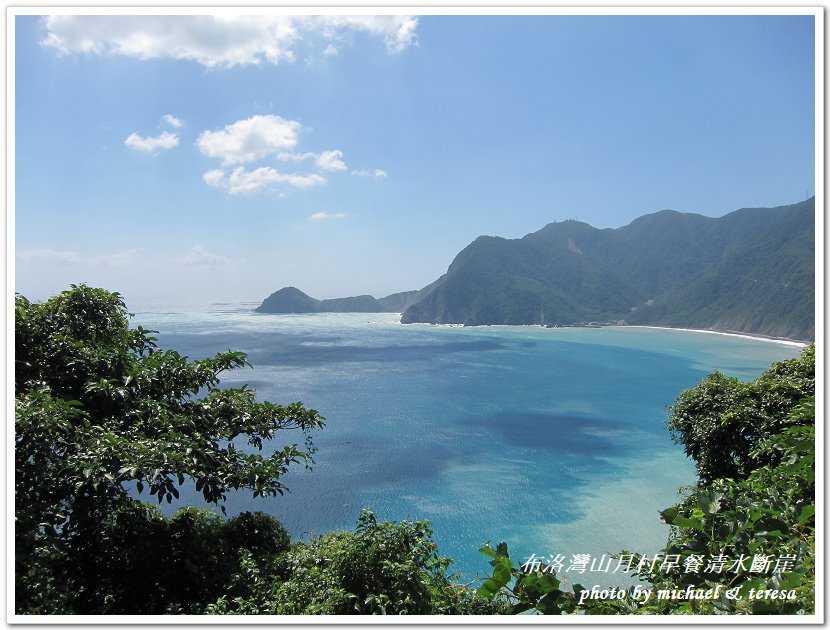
(397, 31)
(152, 144)
(198, 256)
(326, 161)
(216, 177)
(376, 174)
(243, 181)
(322, 216)
(216, 41)
(171, 120)
(251, 139)
(331, 51)
(330, 161)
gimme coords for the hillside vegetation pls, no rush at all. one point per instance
(749, 271)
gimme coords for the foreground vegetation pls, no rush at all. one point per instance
(104, 416)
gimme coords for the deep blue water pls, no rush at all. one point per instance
(551, 439)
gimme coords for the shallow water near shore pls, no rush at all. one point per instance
(553, 440)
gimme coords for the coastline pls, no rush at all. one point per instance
(745, 335)
(782, 340)
(241, 307)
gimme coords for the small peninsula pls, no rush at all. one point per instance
(292, 300)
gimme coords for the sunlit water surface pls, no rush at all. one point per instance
(553, 440)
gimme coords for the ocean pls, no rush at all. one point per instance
(552, 440)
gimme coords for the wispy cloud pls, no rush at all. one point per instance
(376, 173)
(171, 120)
(398, 31)
(50, 256)
(243, 181)
(152, 144)
(216, 41)
(199, 256)
(58, 257)
(284, 156)
(326, 160)
(323, 216)
(330, 161)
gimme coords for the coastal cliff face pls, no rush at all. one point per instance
(750, 271)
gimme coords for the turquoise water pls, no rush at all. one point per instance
(551, 439)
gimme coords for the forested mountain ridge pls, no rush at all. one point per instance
(749, 271)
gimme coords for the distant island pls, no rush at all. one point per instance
(750, 271)
(292, 300)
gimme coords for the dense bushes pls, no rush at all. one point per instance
(381, 568)
(144, 563)
(722, 420)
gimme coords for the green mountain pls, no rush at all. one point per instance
(749, 271)
(766, 285)
(292, 300)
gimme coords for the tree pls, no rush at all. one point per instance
(100, 409)
(722, 420)
(382, 568)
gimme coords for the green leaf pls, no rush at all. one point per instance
(548, 582)
(549, 605)
(487, 550)
(489, 588)
(502, 574)
(693, 523)
(807, 513)
(669, 514)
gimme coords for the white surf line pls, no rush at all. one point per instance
(785, 342)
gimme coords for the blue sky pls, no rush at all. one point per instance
(194, 160)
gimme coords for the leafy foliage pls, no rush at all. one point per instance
(538, 591)
(721, 421)
(101, 409)
(381, 568)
